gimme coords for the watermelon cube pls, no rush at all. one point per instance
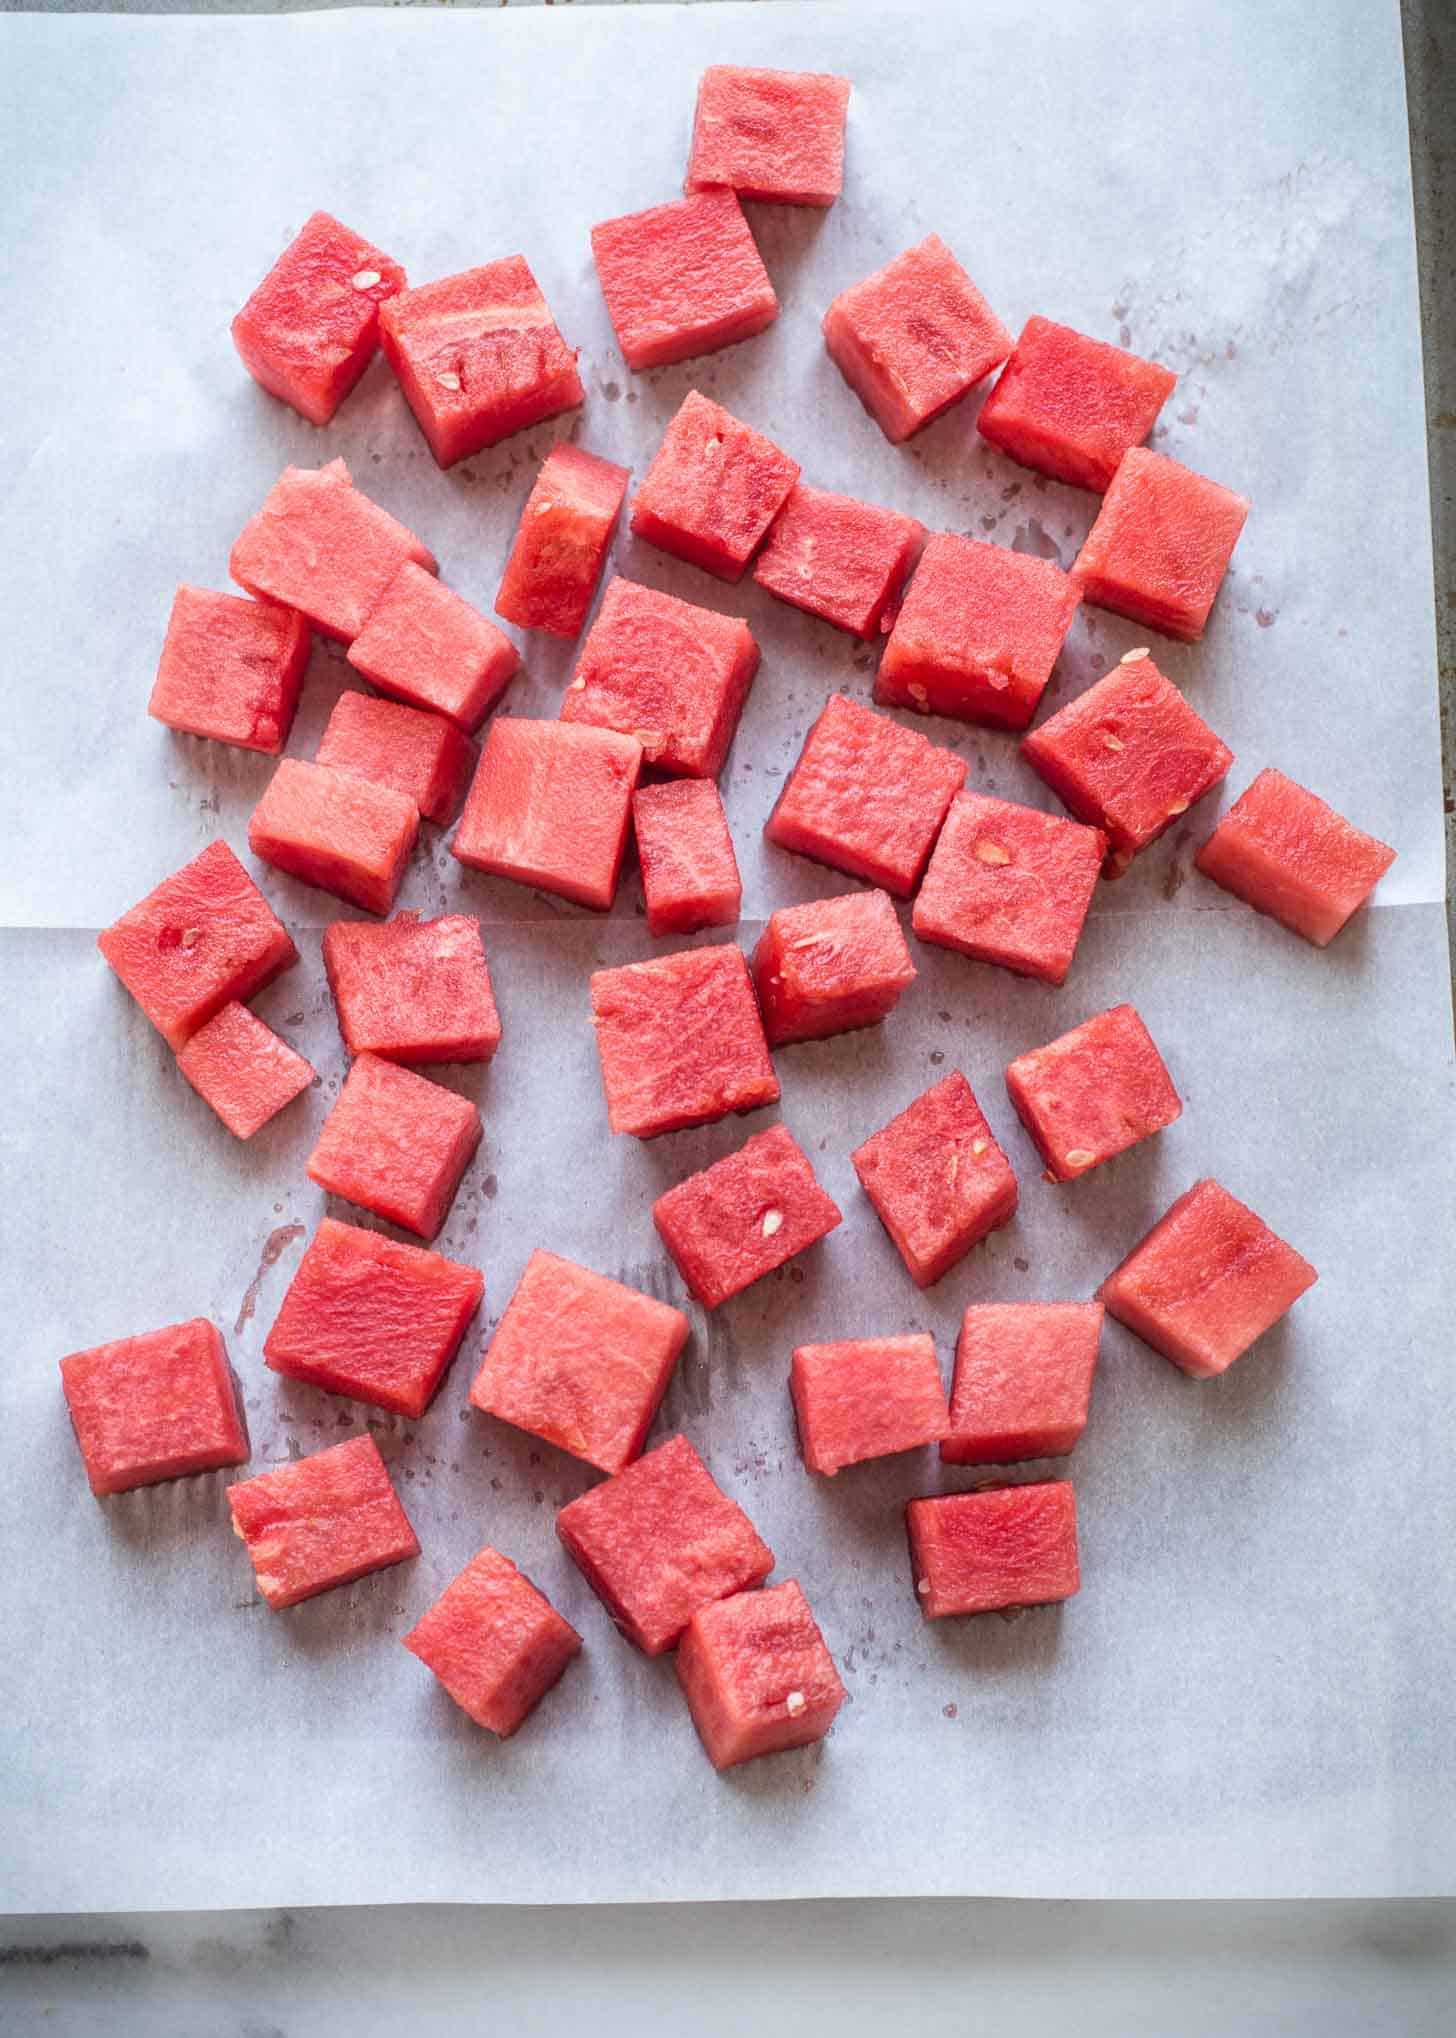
(159, 1406)
(1284, 852)
(682, 279)
(1023, 1380)
(495, 1642)
(937, 1178)
(1161, 544)
(773, 135)
(1128, 756)
(912, 339)
(866, 1397)
(671, 674)
(231, 669)
(371, 1318)
(1009, 885)
(680, 1041)
(757, 1675)
(561, 542)
(1209, 1278)
(321, 1522)
(1071, 406)
(426, 646)
(978, 633)
(549, 807)
(205, 938)
(322, 547)
(689, 871)
(1002, 1547)
(714, 487)
(580, 1360)
(310, 328)
(866, 796)
(396, 1144)
(830, 966)
(659, 1540)
(346, 835)
(425, 757)
(478, 357)
(242, 1069)
(1092, 1093)
(746, 1215)
(838, 558)
(413, 990)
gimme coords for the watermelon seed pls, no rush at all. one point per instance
(1132, 657)
(772, 1222)
(796, 1703)
(1113, 742)
(365, 279)
(448, 380)
(992, 852)
(1079, 1158)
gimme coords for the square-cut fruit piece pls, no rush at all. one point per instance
(866, 796)
(242, 1069)
(561, 542)
(426, 646)
(1209, 1278)
(829, 966)
(495, 1642)
(1002, 1547)
(680, 1040)
(396, 1144)
(231, 669)
(978, 633)
(1161, 544)
(310, 328)
(729, 1225)
(549, 807)
(689, 871)
(1283, 851)
(478, 357)
(369, 1317)
(204, 938)
(1093, 1092)
(423, 756)
(319, 545)
(866, 1397)
(346, 835)
(757, 1675)
(413, 990)
(1128, 756)
(838, 558)
(1023, 1380)
(777, 136)
(1071, 406)
(580, 1360)
(937, 1178)
(320, 1522)
(714, 487)
(911, 339)
(1009, 885)
(682, 279)
(154, 1407)
(658, 1541)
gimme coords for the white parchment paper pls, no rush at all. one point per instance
(1252, 1693)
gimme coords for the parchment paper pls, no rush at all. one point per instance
(1251, 1695)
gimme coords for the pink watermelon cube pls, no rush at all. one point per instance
(549, 807)
(1092, 1093)
(1161, 544)
(426, 646)
(231, 669)
(580, 1360)
(322, 547)
(495, 1642)
(937, 1179)
(346, 835)
(682, 279)
(423, 756)
(866, 1397)
(1005, 1546)
(1023, 1381)
(777, 136)
(747, 1214)
(1071, 406)
(757, 1675)
(321, 1522)
(396, 1144)
(413, 990)
(680, 1041)
(659, 1540)
(830, 966)
(310, 328)
(1209, 1278)
(838, 558)
(714, 487)
(159, 1406)
(689, 871)
(1009, 885)
(561, 542)
(1284, 852)
(242, 1069)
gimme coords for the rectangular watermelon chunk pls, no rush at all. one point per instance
(413, 990)
(1209, 1278)
(838, 558)
(659, 1540)
(680, 1041)
(1071, 406)
(580, 1360)
(423, 756)
(1005, 1546)
(1093, 1093)
(561, 542)
(754, 1210)
(549, 807)
(1284, 852)
(777, 136)
(1023, 1381)
(757, 1675)
(689, 871)
(427, 647)
(310, 328)
(714, 487)
(371, 1318)
(159, 1406)
(343, 834)
(397, 1144)
(495, 1642)
(231, 669)
(321, 1522)
(205, 938)
(866, 1397)
(1161, 544)
(242, 1069)
(322, 547)
(682, 279)
(829, 966)
(937, 1179)
(1009, 885)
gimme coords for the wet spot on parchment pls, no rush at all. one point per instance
(1176, 875)
(489, 1187)
(951, 1711)
(1034, 538)
(1022, 1266)
(611, 391)
(274, 1246)
(1265, 618)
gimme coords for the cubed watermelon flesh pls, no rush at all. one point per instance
(1092, 1093)
(427, 647)
(714, 487)
(495, 1642)
(1071, 406)
(423, 756)
(1161, 544)
(1283, 851)
(777, 136)
(866, 1397)
(1009, 885)
(242, 1069)
(397, 1144)
(689, 871)
(346, 835)
(413, 990)
(310, 328)
(838, 558)
(680, 1041)
(757, 1675)
(549, 807)
(829, 966)
(561, 542)
(231, 669)
(682, 279)
(937, 1179)
(321, 1522)
(1023, 1381)
(754, 1210)
(1005, 1546)
(159, 1406)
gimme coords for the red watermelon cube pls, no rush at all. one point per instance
(749, 1213)
(495, 1642)
(310, 328)
(426, 646)
(1161, 544)
(1284, 852)
(231, 669)
(343, 834)
(1209, 1278)
(937, 1178)
(777, 136)
(159, 1406)
(757, 1675)
(321, 1522)
(561, 542)
(425, 757)
(689, 871)
(413, 990)
(1071, 406)
(371, 1318)
(829, 966)
(580, 1360)
(658, 1541)
(838, 558)
(714, 487)
(1009, 885)
(682, 279)
(1002, 1547)
(478, 357)
(912, 339)
(549, 807)
(1092, 1093)
(396, 1144)
(242, 1069)
(1023, 1381)
(866, 1397)
(680, 1041)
